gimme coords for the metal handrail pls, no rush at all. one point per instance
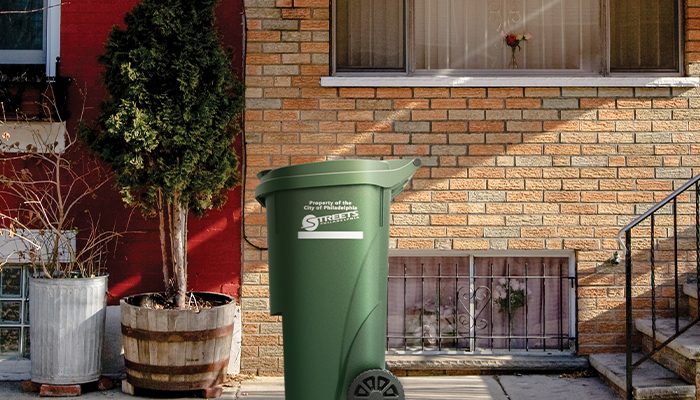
(626, 245)
(658, 206)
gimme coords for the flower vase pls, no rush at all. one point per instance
(513, 60)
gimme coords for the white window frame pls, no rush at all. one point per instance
(51, 42)
(17, 367)
(496, 78)
(23, 323)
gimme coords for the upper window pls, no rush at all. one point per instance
(546, 36)
(30, 32)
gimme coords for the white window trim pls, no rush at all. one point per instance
(34, 133)
(508, 81)
(51, 42)
(13, 249)
(13, 367)
(22, 56)
(15, 370)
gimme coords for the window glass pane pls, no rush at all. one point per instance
(644, 35)
(10, 312)
(369, 34)
(11, 282)
(470, 34)
(22, 25)
(9, 341)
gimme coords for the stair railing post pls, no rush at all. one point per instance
(628, 313)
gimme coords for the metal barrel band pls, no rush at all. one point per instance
(175, 386)
(177, 336)
(177, 369)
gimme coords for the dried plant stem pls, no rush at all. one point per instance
(44, 187)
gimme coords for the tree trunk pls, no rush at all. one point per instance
(163, 241)
(179, 259)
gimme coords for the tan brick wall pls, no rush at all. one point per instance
(505, 168)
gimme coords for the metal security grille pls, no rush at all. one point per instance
(472, 304)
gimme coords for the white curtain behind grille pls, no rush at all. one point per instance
(468, 34)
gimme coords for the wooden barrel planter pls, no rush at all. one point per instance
(177, 350)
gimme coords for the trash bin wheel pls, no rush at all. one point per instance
(375, 384)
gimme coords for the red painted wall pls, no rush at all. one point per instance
(214, 243)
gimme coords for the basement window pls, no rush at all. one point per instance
(476, 304)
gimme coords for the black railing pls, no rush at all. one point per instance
(27, 94)
(662, 240)
(448, 306)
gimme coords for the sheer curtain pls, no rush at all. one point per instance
(643, 34)
(468, 34)
(370, 34)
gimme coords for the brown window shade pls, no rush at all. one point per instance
(644, 35)
(370, 34)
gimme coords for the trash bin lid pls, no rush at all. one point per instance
(390, 174)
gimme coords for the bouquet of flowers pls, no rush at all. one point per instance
(513, 40)
(510, 295)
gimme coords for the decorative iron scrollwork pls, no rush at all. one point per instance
(481, 297)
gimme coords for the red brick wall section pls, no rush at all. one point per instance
(214, 241)
(505, 168)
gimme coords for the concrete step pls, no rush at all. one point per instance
(650, 381)
(402, 365)
(682, 355)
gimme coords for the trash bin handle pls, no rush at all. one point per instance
(398, 174)
(394, 178)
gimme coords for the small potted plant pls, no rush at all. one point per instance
(45, 184)
(167, 130)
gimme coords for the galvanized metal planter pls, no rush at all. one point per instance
(174, 349)
(67, 329)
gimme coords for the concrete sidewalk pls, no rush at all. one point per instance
(493, 387)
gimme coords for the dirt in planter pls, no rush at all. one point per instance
(194, 302)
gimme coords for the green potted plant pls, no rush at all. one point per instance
(167, 130)
(45, 185)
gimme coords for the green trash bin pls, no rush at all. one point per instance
(328, 239)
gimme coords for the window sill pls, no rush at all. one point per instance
(14, 369)
(34, 133)
(511, 81)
